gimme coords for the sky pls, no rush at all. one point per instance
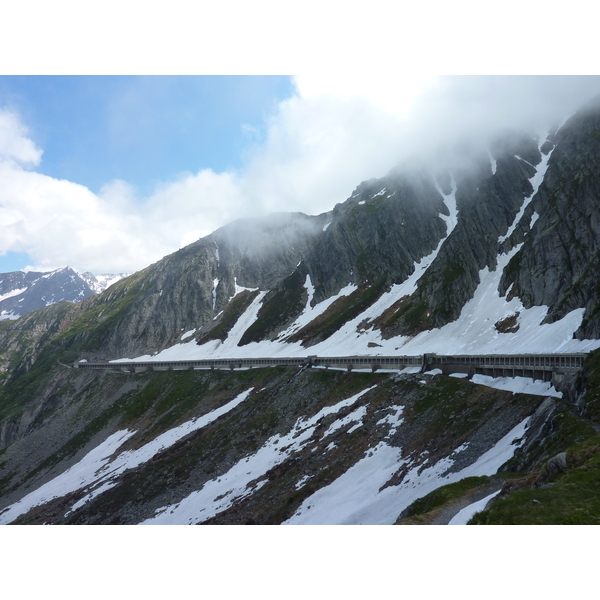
(109, 174)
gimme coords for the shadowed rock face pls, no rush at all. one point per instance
(559, 262)
(487, 204)
(380, 232)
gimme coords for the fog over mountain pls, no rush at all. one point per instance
(316, 146)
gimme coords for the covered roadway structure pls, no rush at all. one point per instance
(545, 367)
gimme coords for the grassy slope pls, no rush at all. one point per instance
(91, 323)
(571, 496)
(568, 497)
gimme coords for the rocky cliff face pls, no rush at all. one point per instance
(189, 289)
(559, 262)
(489, 190)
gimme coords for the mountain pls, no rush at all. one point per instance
(474, 251)
(22, 292)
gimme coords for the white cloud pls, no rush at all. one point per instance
(394, 93)
(59, 222)
(14, 143)
(318, 149)
(318, 146)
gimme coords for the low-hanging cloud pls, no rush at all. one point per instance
(318, 146)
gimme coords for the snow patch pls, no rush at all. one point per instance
(535, 181)
(493, 162)
(302, 481)
(534, 218)
(187, 334)
(214, 292)
(450, 202)
(242, 479)
(6, 315)
(13, 293)
(464, 516)
(357, 497)
(355, 416)
(239, 289)
(98, 471)
(393, 419)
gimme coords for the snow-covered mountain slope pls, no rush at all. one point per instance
(368, 316)
(421, 260)
(313, 448)
(22, 292)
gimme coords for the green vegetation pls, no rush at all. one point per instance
(410, 317)
(453, 406)
(570, 496)
(364, 262)
(568, 430)
(591, 380)
(452, 273)
(573, 499)
(92, 321)
(91, 328)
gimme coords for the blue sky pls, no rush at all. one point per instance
(143, 130)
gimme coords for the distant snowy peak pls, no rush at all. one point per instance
(98, 283)
(21, 292)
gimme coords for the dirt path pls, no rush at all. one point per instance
(448, 511)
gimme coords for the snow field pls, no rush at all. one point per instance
(518, 385)
(12, 294)
(240, 481)
(98, 469)
(357, 497)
